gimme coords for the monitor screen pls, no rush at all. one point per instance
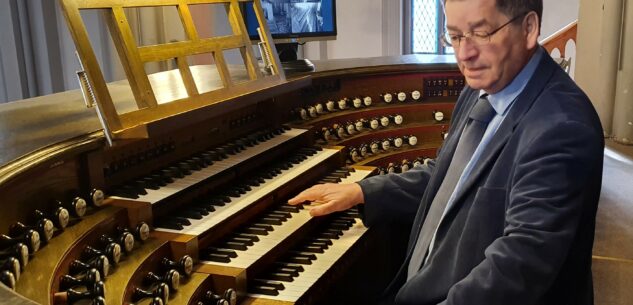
(294, 19)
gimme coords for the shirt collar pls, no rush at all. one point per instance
(502, 100)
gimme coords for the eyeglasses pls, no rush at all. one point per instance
(477, 37)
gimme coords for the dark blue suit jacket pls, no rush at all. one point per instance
(521, 229)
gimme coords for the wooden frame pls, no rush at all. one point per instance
(134, 124)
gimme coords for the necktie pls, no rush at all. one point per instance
(478, 120)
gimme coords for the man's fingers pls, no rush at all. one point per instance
(310, 194)
(324, 209)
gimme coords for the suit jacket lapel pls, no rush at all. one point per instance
(524, 102)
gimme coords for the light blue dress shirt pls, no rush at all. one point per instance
(501, 101)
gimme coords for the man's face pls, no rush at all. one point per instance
(494, 65)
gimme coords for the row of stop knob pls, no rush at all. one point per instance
(379, 146)
(86, 274)
(403, 166)
(26, 237)
(313, 111)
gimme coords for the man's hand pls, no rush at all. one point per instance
(333, 197)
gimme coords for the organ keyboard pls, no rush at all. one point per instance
(305, 273)
(238, 202)
(221, 161)
(254, 246)
(192, 210)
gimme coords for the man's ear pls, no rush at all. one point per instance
(531, 27)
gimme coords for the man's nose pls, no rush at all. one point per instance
(467, 50)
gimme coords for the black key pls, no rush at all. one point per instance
(253, 182)
(256, 231)
(221, 153)
(308, 255)
(235, 193)
(203, 211)
(289, 208)
(175, 172)
(326, 241)
(312, 249)
(338, 226)
(299, 260)
(295, 267)
(195, 163)
(280, 276)
(160, 179)
(339, 174)
(246, 241)
(211, 155)
(253, 238)
(291, 271)
(262, 226)
(227, 252)
(320, 244)
(214, 257)
(125, 193)
(206, 206)
(190, 214)
(334, 231)
(270, 221)
(182, 220)
(185, 167)
(150, 183)
(280, 215)
(169, 225)
(269, 283)
(226, 199)
(235, 245)
(267, 290)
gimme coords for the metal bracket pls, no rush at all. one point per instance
(266, 57)
(90, 99)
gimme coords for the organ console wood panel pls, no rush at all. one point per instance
(212, 185)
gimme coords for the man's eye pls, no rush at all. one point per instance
(480, 34)
(455, 37)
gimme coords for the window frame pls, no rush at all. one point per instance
(408, 34)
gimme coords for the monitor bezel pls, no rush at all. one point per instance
(295, 37)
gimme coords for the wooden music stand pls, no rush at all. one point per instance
(133, 124)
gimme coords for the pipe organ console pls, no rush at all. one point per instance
(191, 208)
(198, 215)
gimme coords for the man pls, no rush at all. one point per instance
(506, 213)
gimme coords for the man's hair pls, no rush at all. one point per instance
(513, 8)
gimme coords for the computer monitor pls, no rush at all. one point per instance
(292, 22)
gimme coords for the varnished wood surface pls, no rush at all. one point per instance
(33, 124)
(385, 64)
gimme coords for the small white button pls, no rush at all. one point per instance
(402, 96)
(387, 97)
(416, 95)
(439, 116)
(357, 103)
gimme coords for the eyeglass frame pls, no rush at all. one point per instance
(447, 43)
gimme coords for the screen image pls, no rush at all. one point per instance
(294, 18)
